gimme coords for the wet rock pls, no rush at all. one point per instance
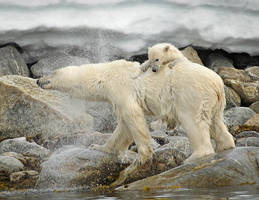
(245, 134)
(249, 92)
(12, 63)
(230, 168)
(73, 167)
(22, 146)
(237, 116)
(55, 61)
(192, 55)
(250, 141)
(9, 164)
(255, 106)
(253, 72)
(216, 60)
(232, 98)
(28, 110)
(21, 176)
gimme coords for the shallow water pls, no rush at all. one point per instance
(237, 193)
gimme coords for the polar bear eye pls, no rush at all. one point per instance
(156, 59)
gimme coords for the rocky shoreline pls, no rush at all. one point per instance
(45, 135)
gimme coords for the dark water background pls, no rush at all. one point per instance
(233, 193)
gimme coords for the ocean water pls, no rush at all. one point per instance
(132, 25)
(234, 193)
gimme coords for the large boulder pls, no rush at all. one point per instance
(216, 60)
(237, 116)
(28, 110)
(248, 91)
(230, 168)
(253, 72)
(55, 61)
(22, 146)
(192, 55)
(255, 106)
(233, 74)
(73, 167)
(232, 98)
(12, 63)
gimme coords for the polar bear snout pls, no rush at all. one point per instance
(155, 68)
(43, 83)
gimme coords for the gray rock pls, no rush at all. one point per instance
(178, 131)
(245, 134)
(55, 61)
(230, 168)
(237, 116)
(232, 98)
(20, 145)
(250, 141)
(28, 110)
(9, 164)
(80, 139)
(12, 63)
(72, 167)
(160, 137)
(18, 156)
(104, 117)
(216, 60)
(180, 143)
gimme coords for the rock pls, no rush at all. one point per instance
(237, 116)
(104, 117)
(253, 72)
(233, 74)
(232, 98)
(255, 106)
(72, 167)
(21, 146)
(180, 143)
(216, 60)
(160, 137)
(141, 58)
(21, 176)
(245, 134)
(250, 141)
(253, 122)
(178, 131)
(249, 92)
(192, 55)
(55, 61)
(80, 139)
(9, 164)
(12, 63)
(28, 110)
(19, 157)
(230, 168)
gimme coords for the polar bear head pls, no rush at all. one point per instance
(161, 54)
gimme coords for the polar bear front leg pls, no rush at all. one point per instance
(198, 135)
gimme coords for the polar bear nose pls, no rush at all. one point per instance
(153, 70)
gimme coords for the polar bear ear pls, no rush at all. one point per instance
(166, 48)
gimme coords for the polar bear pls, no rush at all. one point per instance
(187, 93)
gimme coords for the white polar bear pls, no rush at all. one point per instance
(189, 94)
